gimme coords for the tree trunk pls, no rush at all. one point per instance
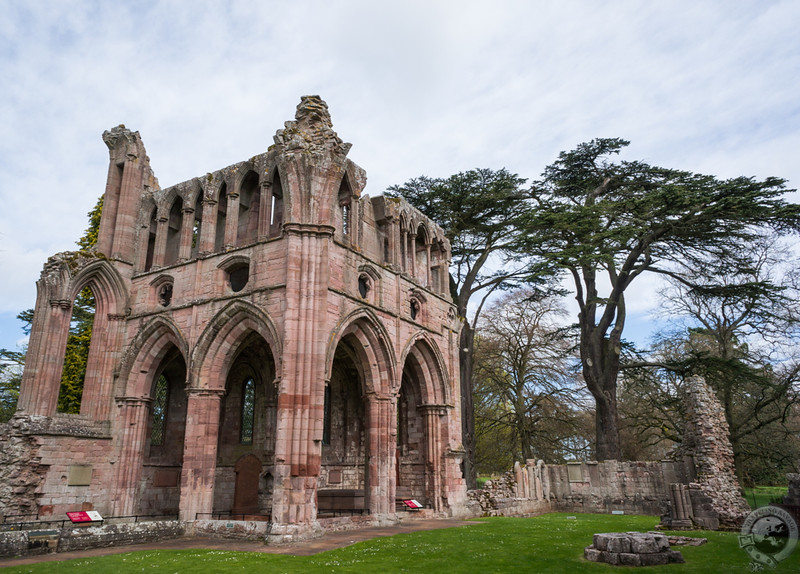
(467, 408)
(600, 369)
(607, 429)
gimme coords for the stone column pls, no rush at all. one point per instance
(132, 416)
(128, 209)
(200, 452)
(232, 220)
(187, 230)
(209, 227)
(381, 446)
(41, 379)
(433, 454)
(160, 251)
(412, 248)
(403, 250)
(428, 265)
(99, 380)
(264, 210)
(298, 448)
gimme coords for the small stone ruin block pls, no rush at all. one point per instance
(632, 549)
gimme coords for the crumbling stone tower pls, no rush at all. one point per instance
(267, 341)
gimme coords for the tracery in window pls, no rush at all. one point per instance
(248, 411)
(160, 402)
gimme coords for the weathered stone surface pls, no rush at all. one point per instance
(715, 494)
(631, 549)
(267, 316)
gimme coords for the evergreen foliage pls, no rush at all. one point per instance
(604, 223)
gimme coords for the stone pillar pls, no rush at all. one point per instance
(160, 251)
(132, 416)
(187, 230)
(433, 454)
(128, 209)
(264, 210)
(200, 452)
(381, 446)
(232, 220)
(412, 259)
(99, 380)
(428, 265)
(108, 219)
(298, 448)
(209, 227)
(391, 235)
(141, 249)
(403, 250)
(41, 379)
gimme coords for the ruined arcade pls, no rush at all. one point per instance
(268, 342)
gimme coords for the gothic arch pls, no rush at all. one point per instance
(374, 350)
(148, 348)
(427, 361)
(108, 287)
(242, 170)
(215, 349)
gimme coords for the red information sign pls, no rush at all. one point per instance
(412, 504)
(89, 516)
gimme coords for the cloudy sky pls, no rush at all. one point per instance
(432, 87)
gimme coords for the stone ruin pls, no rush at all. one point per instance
(713, 499)
(269, 344)
(632, 549)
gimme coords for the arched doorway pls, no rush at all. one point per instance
(246, 447)
(166, 428)
(343, 476)
(411, 440)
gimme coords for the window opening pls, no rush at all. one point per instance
(160, 402)
(151, 240)
(76, 355)
(326, 417)
(222, 215)
(414, 308)
(238, 277)
(346, 219)
(363, 287)
(248, 411)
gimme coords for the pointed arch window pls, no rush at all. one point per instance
(160, 402)
(248, 411)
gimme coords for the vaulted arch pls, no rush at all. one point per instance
(422, 357)
(217, 345)
(372, 345)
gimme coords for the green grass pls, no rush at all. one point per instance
(758, 496)
(549, 543)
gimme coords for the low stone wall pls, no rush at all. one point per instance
(30, 542)
(603, 487)
(249, 529)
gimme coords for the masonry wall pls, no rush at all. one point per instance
(71, 538)
(602, 487)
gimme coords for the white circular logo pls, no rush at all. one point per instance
(769, 535)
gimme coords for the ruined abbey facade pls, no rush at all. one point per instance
(268, 341)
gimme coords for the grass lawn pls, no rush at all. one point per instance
(549, 543)
(759, 496)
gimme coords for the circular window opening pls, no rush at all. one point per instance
(414, 308)
(238, 277)
(363, 287)
(165, 295)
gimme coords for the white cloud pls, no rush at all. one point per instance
(417, 87)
